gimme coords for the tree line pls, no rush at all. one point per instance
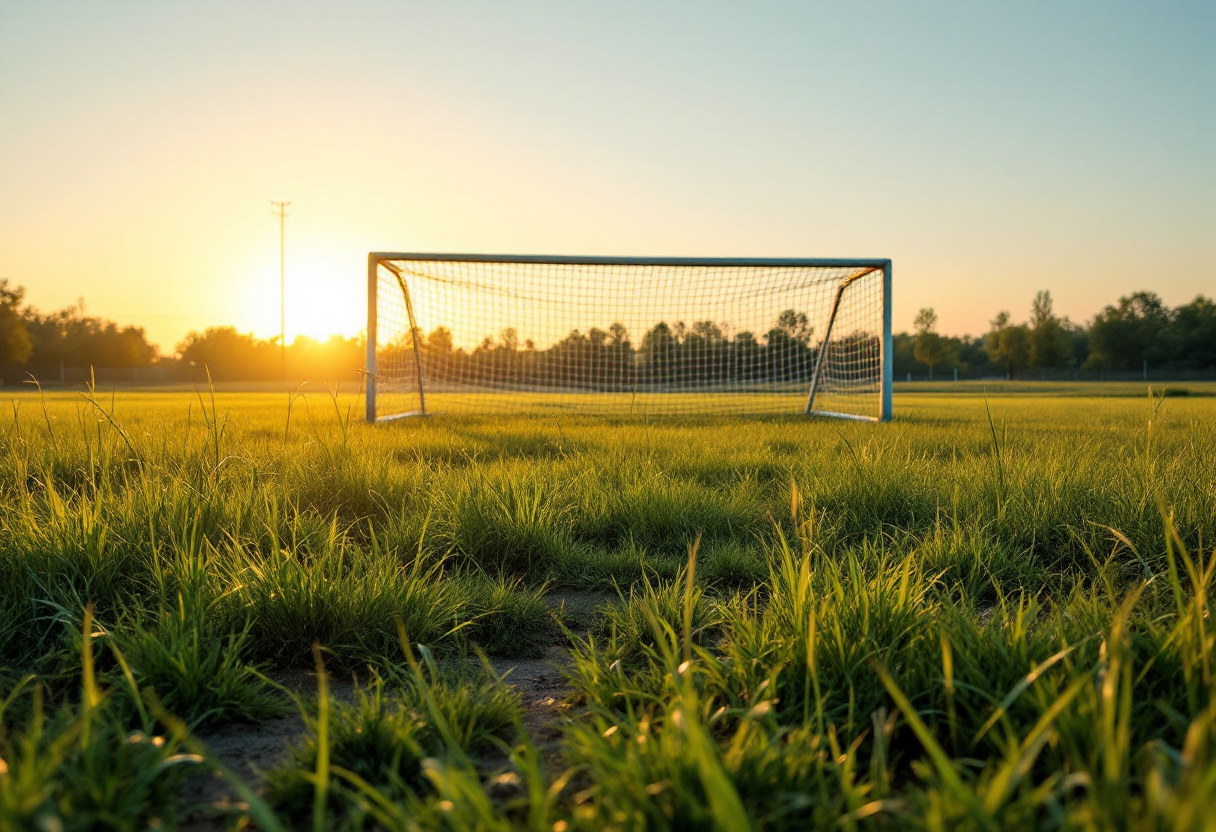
(33, 343)
(1138, 328)
(669, 355)
(30, 339)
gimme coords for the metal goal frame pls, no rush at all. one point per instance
(861, 267)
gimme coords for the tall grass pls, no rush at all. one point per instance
(989, 614)
(384, 746)
(1079, 716)
(84, 766)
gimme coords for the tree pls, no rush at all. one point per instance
(228, 355)
(1133, 331)
(658, 350)
(706, 331)
(1194, 334)
(15, 343)
(1008, 344)
(658, 339)
(114, 346)
(787, 351)
(1049, 345)
(1077, 338)
(75, 339)
(926, 320)
(794, 325)
(930, 347)
(619, 335)
(621, 353)
(439, 342)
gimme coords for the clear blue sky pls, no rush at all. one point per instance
(990, 149)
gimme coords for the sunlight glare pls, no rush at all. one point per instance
(325, 290)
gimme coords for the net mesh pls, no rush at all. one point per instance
(457, 336)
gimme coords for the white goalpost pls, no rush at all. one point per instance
(482, 334)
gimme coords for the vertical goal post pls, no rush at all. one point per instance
(627, 335)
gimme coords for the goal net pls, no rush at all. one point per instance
(477, 334)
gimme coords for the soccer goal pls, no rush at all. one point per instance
(481, 334)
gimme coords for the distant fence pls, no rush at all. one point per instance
(156, 374)
(132, 375)
(166, 373)
(1045, 374)
(1163, 374)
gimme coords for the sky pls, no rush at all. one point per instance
(989, 149)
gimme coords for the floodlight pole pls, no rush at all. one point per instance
(280, 208)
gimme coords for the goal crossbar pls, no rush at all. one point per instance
(466, 282)
(579, 260)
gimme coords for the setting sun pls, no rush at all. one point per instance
(319, 277)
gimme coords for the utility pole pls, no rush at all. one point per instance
(280, 209)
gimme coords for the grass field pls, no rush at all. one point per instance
(992, 613)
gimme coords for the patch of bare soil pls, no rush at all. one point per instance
(542, 690)
(541, 683)
(249, 750)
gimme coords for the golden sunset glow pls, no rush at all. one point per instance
(141, 150)
(314, 308)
